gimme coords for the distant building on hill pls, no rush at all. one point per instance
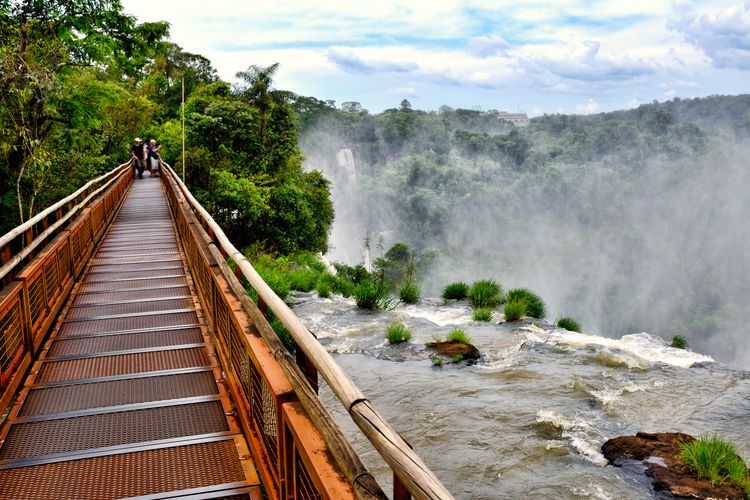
(517, 119)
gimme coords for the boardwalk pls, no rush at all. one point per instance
(124, 400)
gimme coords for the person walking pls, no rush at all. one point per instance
(154, 157)
(138, 155)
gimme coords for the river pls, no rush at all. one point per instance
(529, 418)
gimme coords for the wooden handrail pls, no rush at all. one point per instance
(407, 465)
(115, 173)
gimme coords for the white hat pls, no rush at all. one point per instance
(137, 139)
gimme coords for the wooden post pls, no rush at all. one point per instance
(6, 255)
(308, 368)
(399, 488)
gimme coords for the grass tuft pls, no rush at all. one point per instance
(534, 305)
(514, 310)
(482, 314)
(371, 295)
(485, 293)
(458, 335)
(409, 294)
(397, 333)
(457, 358)
(716, 460)
(679, 342)
(456, 291)
(569, 324)
(323, 289)
(436, 360)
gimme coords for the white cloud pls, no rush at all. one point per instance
(588, 107)
(724, 35)
(585, 61)
(489, 45)
(544, 54)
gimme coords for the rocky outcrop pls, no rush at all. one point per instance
(659, 455)
(454, 348)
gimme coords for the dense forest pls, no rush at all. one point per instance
(80, 79)
(630, 220)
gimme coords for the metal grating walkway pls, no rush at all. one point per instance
(124, 399)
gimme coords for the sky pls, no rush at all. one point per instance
(551, 56)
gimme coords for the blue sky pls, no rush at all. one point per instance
(571, 56)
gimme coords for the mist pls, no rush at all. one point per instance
(634, 238)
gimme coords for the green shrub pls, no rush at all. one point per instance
(482, 314)
(458, 335)
(283, 334)
(277, 281)
(716, 460)
(456, 291)
(436, 360)
(310, 260)
(354, 275)
(534, 305)
(679, 342)
(323, 289)
(569, 324)
(343, 287)
(409, 294)
(303, 279)
(485, 293)
(370, 295)
(514, 310)
(397, 333)
(457, 358)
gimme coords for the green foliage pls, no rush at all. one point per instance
(482, 314)
(514, 310)
(303, 279)
(397, 333)
(485, 293)
(436, 360)
(283, 334)
(409, 294)
(533, 304)
(569, 324)
(457, 358)
(458, 335)
(273, 273)
(324, 289)
(679, 342)
(354, 275)
(716, 460)
(371, 295)
(456, 291)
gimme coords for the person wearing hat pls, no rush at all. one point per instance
(138, 153)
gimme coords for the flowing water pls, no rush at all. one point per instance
(529, 418)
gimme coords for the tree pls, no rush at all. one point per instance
(258, 89)
(45, 44)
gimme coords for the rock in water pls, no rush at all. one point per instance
(660, 455)
(454, 347)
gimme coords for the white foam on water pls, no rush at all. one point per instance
(608, 396)
(440, 316)
(638, 350)
(579, 432)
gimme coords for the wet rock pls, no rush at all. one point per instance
(659, 455)
(454, 348)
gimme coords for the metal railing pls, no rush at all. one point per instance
(292, 434)
(41, 260)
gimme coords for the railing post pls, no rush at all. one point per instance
(28, 237)
(5, 256)
(28, 334)
(399, 488)
(308, 368)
